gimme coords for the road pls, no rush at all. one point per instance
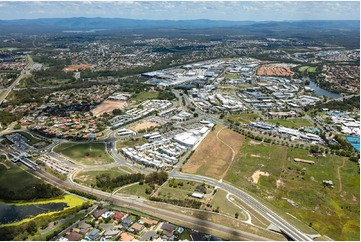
(24, 73)
(138, 204)
(287, 228)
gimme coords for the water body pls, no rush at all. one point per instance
(322, 92)
(354, 141)
(10, 213)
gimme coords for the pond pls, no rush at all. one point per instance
(11, 213)
(322, 92)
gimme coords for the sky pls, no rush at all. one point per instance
(178, 10)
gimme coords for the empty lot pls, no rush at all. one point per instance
(214, 155)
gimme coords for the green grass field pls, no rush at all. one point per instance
(296, 188)
(231, 76)
(88, 178)
(244, 118)
(307, 69)
(87, 153)
(142, 96)
(17, 177)
(291, 123)
(225, 206)
(136, 189)
(130, 143)
(179, 192)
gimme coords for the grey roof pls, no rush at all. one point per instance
(168, 227)
(148, 235)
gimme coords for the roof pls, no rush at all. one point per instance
(168, 227)
(126, 237)
(99, 213)
(149, 221)
(148, 235)
(137, 227)
(118, 216)
(74, 236)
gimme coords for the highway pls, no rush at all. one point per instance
(23, 74)
(138, 204)
(285, 227)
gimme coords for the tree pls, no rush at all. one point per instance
(17, 126)
(31, 228)
(236, 215)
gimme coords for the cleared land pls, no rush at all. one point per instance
(143, 125)
(244, 118)
(87, 154)
(107, 107)
(88, 178)
(78, 67)
(291, 123)
(274, 71)
(214, 155)
(328, 211)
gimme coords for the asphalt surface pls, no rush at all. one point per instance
(138, 204)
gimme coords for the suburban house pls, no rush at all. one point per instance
(94, 234)
(137, 227)
(74, 236)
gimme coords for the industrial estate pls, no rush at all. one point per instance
(200, 135)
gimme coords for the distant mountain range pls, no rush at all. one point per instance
(61, 24)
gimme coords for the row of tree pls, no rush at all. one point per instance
(29, 192)
(107, 183)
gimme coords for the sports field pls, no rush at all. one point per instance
(85, 153)
(297, 188)
(215, 154)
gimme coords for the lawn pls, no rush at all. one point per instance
(245, 118)
(307, 69)
(11, 174)
(179, 189)
(88, 178)
(136, 189)
(231, 76)
(130, 143)
(330, 211)
(294, 123)
(142, 96)
(225, 206)
(85, 153)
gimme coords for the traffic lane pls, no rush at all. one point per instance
(256, 205)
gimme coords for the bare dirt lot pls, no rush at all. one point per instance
(215, 154)
(274, 71)
(142, 125)
(78, 67)
(107, 107)
(255, 177)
